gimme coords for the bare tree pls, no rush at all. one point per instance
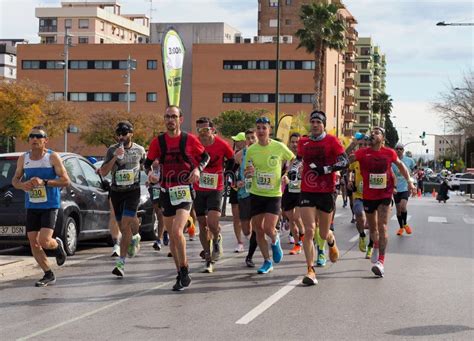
(456, 105)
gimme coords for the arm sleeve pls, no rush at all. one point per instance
(342, 161)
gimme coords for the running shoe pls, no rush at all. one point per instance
(277, 251)
(178, 286)
(184, 275)
(408, 229)
(208, 268)
(166, 238)
(378, 269)
(157, 245)
(375, 255)
(286, 225)
(310, 278)
(296, 250)
(239, 248)
(170, 254)
(291, 240)
(116, 251)
(134, 246)
(48, 279)
(216, 248)
(249, 262)
(191, 232)
(362, 245)
(334, 252)
(353, 220)
(60, 252)
(119, 269)
(400, 231)
(266, 267)
(321, 261)
(202, 254)
(368, 254)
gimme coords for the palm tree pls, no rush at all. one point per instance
(322, 29)
(383, 105)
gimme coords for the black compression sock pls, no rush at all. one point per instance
(371, 243)
(253, 245)
(400, 220)
(404, 218)
(362, 234)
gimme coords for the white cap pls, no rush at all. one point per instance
(399, 145)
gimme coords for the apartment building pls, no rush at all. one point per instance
(91, 22)
(371, 68)
(449, 146)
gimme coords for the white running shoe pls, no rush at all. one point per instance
(239, 248)
(291, 240)
(375, 255)
(378, 269)
(116, 251)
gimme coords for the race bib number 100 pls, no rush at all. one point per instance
(180, 194)
(38, 195)
(208, 180)
(378, 181)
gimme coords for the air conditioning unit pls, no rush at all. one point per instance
(247, 41)
(287, 39)
(255, 39)
(143, 40)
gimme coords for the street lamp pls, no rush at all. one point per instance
(277, 86)
(442, 23)
(130, 66)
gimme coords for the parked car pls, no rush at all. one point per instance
(146, 217)
(454, 180)
(84, 212)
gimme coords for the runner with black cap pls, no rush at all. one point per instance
(322, 156)
(125, 160)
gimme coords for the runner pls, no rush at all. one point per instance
(322, 155)
(209, 190)
(182, 158)
(40, 173)
(378, 185)
(291, 197)
(155, 191)
(243, 196)
(125, 160)
(402, 195)
(264, 164)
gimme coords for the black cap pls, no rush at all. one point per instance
(124, 126)
(319, 115)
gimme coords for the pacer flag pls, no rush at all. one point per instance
(284, 126)
(173, 57)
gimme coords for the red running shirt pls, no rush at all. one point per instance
(321, 153)
(212, 176)
(175, 170)
(376, 170)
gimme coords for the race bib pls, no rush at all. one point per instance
(360, 187)
(248, 184)
(265, 180)
(125, 177)
(38, 195)
(208, 180)
(294, 186)
(378, 181)
(180, 194)
(155, 193)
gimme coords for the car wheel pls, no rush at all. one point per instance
(69, 236)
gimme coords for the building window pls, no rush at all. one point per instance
(102, 97)
(50, 40)
(287, 98)
(31, 64)
(123, 97)
(103, 64)
(273, 3)
(289, 65)
(365, 92)
(309, 65)
(237, 67)
(54, 64)
(287, 21)
(83, 23)
(258, 98)
(273, 23)
(78, 96)
(56, 96)
(365, 78)
(264, 65)
(83, 40)
(307, 98)
(151, 64)
(67, 23)
(151, 96)
(364, 105)
(48, 25)
(78, 64)
(365, 51)
(364, 65)
(234, 98)
(252, 65)
(101, 40)
(364, 119)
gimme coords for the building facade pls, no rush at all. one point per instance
(449, 146)
(91, 22)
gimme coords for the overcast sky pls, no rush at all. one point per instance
(422, 58)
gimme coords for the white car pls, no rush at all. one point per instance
(454, 180)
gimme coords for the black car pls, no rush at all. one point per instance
(84, 212)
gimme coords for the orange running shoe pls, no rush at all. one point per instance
(334, 252)
(408, 229)
(295, 250)
(310, 278)
(191, 228)
(400, 231)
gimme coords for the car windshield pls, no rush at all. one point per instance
(7, 170)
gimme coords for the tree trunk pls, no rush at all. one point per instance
(322, 79)
(317, 75)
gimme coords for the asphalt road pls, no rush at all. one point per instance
(427, 291)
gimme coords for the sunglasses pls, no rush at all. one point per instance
(171, 117)
(203, 129)
(122, 133)
(37, 136)
(264, 120)
(399, 148)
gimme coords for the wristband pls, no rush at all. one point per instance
(45, 183)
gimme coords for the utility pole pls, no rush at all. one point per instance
(130, 66)
(277, 90)
(67, 44)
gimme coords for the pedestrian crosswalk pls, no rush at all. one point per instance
(468, 220)
(441, 220)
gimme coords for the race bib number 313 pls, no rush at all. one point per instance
(38, 195)
(180, 194)
(378, 181)
(265, 180)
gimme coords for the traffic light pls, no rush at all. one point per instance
(423, 135)
(423, 143)
(427, 151)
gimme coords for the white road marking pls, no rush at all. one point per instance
(337, 215)
(468, 220)
(353, 239)
(255, 312)
(395, 217)
(432, 219)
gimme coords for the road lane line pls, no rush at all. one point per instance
(255, 312)
(468, 220)
(353, 239)
(442, 220)
(395, 217)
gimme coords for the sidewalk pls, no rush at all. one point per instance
(16, 267)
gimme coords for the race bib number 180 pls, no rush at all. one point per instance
(378, 181)
(38, 195)
(180, 194)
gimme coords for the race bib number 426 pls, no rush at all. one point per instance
(378, 181)
(38, 195)
(180, 194)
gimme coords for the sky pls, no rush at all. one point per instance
(422, 59)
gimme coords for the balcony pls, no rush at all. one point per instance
(350, 83)
(46, 29)
(352, 34)
(349, 100)
(350, 50)
(349, 117)
(350, 67)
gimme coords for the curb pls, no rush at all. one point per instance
(12, 268)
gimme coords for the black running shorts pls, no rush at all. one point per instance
(36, 219)
(207, 201)
(324, 202)
(370, 206)
(261, 205)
